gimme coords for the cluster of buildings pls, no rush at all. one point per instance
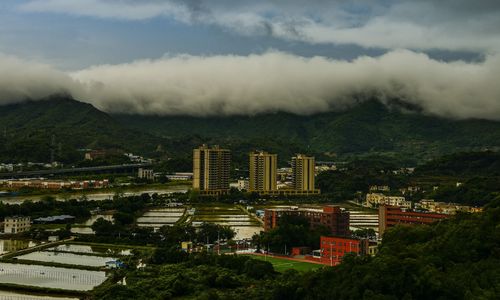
(19, 224)
(443, 207)
(332, 247)
(105, 153)
(149, 174)
(211, 173)
(340, 242)
(376, 199)
(55, 184)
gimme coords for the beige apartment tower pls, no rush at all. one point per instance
(262, 168)
(303, 173)
(211, 167)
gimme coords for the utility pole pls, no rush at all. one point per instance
(331, 257)
(218, 242)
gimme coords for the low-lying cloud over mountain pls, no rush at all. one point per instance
(273, 81)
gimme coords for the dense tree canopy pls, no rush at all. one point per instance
(457, 258)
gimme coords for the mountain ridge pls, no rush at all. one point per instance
(370, 128)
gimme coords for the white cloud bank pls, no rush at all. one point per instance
(273, 81)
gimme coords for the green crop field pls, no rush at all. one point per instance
(281, 264)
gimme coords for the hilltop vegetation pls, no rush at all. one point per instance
(370, 128)
(464, 164)
(27, 130)
(470, 178)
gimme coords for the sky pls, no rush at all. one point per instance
(202, 57)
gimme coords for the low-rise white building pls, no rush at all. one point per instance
(445, 208)
(375, 199)
(180, 176)
(16, 224)
(380, 188)
(241, 184)
(146, 174)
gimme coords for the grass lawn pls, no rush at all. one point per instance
(281, 264)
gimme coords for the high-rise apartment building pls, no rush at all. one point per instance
(303, 173)
(211, 167)
(263, 169)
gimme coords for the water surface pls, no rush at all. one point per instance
(50, 277)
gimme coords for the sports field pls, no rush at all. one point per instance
(281, 264)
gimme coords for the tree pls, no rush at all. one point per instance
(103, 227)
(123, 218)
(212, 232)
(258, 269)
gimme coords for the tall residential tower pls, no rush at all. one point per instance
(263, 168)
(303, 173)
(211, 167)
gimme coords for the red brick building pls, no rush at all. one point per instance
(300, 251)
(332, 217)
(333, 249)
(389, 216)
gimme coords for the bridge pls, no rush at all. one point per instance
(125, 168)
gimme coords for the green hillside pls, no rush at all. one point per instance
(27, 130)
(369, 128)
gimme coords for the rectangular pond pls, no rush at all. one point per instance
(50, 277)
(244, 226)
(159, 217)
(86, 249)
(4, 295)
(66, 258)
(82, 230)
(10, 245)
